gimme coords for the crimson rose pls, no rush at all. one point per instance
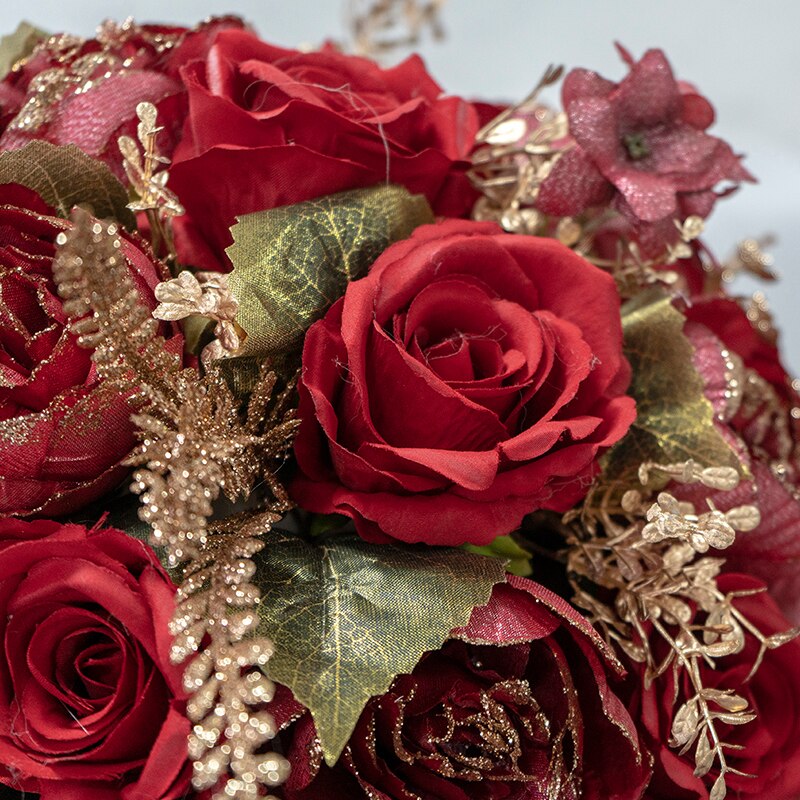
(94, 86)
(471, 378)
(270, 127)
(89, 702)
(502, 710)
(62, 436)
(756, 411)
(770, 745)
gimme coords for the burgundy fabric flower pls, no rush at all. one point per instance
(757, 416)
(138, 64)
(90, 706)
(641, 143)
(770, 744)
(270, 127)
(515, 706)
(471, 378)
(62, 436)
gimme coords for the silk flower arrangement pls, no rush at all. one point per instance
(358, 440)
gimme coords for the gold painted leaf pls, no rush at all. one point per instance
(17, 45)
(66, 177)
(675, 421)
(291, 264)
(347, 616)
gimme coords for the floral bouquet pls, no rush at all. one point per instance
(360, 441)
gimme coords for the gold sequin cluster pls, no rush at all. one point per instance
(196, 444)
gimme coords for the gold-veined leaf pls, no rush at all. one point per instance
(66, 177)
(291, 264)
(347, 616)
(674, 420)
(17, 45)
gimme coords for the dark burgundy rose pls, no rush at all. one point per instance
(270, 127)
(640, 144)
(472, 377)
(126, 65)
(760, 416)
(62, 436)
(517, 705)
(90, 706)
(770, 745)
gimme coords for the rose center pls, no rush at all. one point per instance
(636, 145)
(89, 665)
(488, 739)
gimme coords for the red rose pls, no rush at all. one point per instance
(90, 705)
(94, 86)
(640, 143)
(757, 413)
(269, 127)
(62, 436)
(770, 744)
(517, 706)
(471, 378)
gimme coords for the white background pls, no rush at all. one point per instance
(742, 54)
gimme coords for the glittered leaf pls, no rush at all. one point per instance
(17, 45)
(291, 263)
(66, 177)
(674, 421)
(347, 616)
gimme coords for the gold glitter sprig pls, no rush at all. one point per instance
(196, 445)
(106, 314)
(640, 570)
(228, 688)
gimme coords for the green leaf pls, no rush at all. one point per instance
(516, 558)
(674, 420)
(65, 177)
(291, 264)
(347, 616)
(16, 46)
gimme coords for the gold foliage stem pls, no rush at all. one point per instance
(196, 444)
(106, 314)
(637, 565)
(379, 27)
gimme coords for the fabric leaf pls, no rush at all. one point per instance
(290, 264)
(65, 177)
(347, 616)
(675, 421)
(17, 45)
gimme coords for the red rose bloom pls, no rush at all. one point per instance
(502, 710)
(62, 436)
(270, 127)
(756, 415)
(88, 707)
(471, 378)
(641, 142)
(126, 65)
(770, 744)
